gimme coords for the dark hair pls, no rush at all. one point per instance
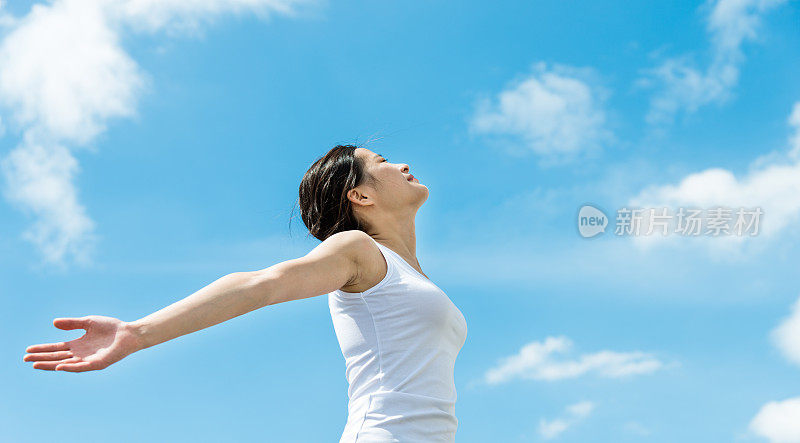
(324, 206)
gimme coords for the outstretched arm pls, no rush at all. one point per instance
(331, 265)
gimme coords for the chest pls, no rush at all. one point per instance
(413, 300)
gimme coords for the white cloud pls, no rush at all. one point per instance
(550, 360)
(63, 73)
(63, 77)
(786, 336)
(554, 112)
(778, 421)
(550, 429)
(683, 86)
(40, 179)
(772, 184)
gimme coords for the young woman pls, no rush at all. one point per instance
(399, 332)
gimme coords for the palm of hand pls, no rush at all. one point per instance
(105, 342)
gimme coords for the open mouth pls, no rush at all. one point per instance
(411, 178)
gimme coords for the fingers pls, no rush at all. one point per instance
(78, 367)
(71, 323)
(48, 356)
(47, 347)
(51, 365)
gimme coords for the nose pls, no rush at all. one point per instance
(405, 168)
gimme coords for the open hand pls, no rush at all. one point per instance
(107, 340)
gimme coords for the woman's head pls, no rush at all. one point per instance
(354, 188)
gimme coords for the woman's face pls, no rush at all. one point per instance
(396, 187)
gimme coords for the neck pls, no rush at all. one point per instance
(398, 233)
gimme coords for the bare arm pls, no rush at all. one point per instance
(331, 265)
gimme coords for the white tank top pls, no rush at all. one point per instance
(400, 339)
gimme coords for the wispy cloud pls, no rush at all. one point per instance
(778, 422)
(573, 414)
(636, 428)
(682, 86)
(552, 359)
(39, 177)
(6, 19)
(63, 77)
(556, 112)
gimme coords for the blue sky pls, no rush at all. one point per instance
(168, 153)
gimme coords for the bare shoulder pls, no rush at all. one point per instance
(354, 244)
(342, 261)
(367, 257)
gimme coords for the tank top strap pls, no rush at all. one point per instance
(388, 255)
(392, 269)
(399, 262)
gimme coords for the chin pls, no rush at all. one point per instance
(425, 194)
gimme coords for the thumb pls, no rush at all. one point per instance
(71, 323)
